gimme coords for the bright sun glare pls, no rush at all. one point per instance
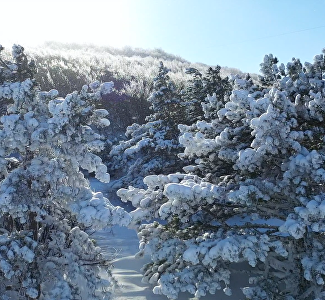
(35, 21)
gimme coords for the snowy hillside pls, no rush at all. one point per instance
(67, 67)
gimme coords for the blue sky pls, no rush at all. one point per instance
(233, 33)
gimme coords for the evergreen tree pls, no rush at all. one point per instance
(270, 70)
(199, 87)
(151, 148)
(46, 203)
(256, 208)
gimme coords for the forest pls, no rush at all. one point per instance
(218, 172)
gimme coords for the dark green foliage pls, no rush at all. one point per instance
(153, 147)
(199, 87)
(270, 70)
(20, 70)
(165, 102)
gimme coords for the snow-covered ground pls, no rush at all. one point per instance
(121, 244)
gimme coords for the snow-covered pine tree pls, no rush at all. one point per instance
(151, 148)
(198, 138)
(258, 206)
(201, 85)
(270, 70)
(46, 203)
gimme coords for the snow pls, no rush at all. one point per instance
(121, 245)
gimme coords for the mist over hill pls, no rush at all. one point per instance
(67, 67)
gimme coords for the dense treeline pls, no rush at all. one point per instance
(250, 200)
(225, 174)
(67, 67)
(153, 147)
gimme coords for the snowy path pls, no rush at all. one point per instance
(122, 244)
(126, 267)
